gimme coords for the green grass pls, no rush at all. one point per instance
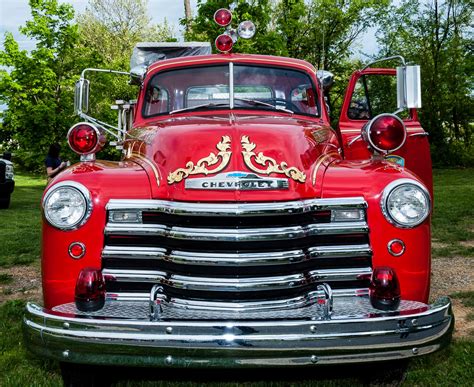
(17, 366)
(20, 244)
(5, 279)
(21, 223)
(453, 213)
(467, 298)
(453, 366)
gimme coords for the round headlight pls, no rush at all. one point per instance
(67, 205)
(405, 203)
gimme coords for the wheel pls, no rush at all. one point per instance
(5, 202)
(79, 375)
(391, 374)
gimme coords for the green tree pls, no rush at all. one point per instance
(438, 36)
(37, 86)
(266, 41)
(323, 32)
(111, 28)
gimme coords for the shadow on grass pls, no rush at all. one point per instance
(276, 377)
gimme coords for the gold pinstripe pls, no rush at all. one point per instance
(319, 162)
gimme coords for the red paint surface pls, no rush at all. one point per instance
(416, 150)
(162, 144)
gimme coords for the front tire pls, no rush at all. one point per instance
(4, 202)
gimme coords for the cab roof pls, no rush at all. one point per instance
(235, 58)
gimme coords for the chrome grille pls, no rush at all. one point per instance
(238, 252)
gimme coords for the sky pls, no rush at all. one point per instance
(14, 13)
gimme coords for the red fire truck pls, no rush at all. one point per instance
(239, 228)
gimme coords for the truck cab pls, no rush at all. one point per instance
(239, 229)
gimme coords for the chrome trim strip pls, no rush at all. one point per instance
(133, 252)
(214, 305)
(243, 343)
(236, 235)
(236, 259)
(343, 251)
(236, 209)
(236, 284)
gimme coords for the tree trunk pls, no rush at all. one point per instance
(187, 14)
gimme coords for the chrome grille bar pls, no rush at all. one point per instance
(205, 252)
(237, 209)
(235, 259)
(237, 284)
(189, 304)
(239, 235)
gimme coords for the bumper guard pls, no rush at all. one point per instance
(118, 339)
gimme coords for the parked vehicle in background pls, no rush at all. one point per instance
(239, 229)
(7, 179)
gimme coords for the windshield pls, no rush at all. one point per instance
(254, 87)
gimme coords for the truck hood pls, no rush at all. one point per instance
(233, 157)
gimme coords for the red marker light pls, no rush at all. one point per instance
(386, 133)
(223, 17)
(224, 43)
(90, 290)
(396, 247)
(384, 289)
(85, 138)
(77, 250)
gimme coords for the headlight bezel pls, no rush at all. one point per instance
(82, 190)
(386, 195)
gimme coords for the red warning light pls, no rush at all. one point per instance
(224, 43)
(223, 17)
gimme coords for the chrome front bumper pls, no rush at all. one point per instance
(347, 336)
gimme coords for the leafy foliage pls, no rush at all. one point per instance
(113, 27)
(266, 41)
(437, 35)
(38, 85)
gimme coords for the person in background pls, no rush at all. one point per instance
(53, 162)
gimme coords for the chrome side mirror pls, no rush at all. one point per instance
(81, 96)
(326, 78)
(408, 87)
(137, 75)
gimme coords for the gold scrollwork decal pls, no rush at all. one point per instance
(201, 166)
(271, 164)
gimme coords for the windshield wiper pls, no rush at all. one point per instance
(205, 105)
(257, 102)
